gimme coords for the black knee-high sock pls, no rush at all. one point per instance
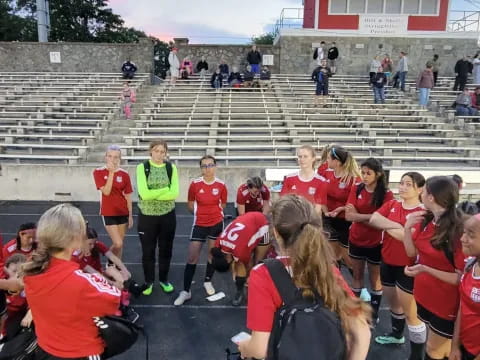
(209, 272)
(188, 276)
(418, 338)
(240, 282)
(375, 300)
(398, 324)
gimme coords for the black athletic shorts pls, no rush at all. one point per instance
(40, 354)
(466, 355)
(392, 275)
(3, 302)
(115, 220)
(202, 233)
(372, 255)
(438, 325)
(338, 229)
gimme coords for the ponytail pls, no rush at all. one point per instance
(39, 262)
(351, 169)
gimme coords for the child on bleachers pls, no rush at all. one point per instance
(217, 79)
(321, 77)
(128, 97)
(235, 78)
(17, 314)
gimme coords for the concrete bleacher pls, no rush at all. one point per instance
(57, 117)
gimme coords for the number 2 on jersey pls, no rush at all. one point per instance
(231, 231)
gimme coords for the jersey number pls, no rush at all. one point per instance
(231, 233)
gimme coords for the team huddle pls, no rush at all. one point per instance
(421, 252)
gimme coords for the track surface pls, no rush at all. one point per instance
(198, 330)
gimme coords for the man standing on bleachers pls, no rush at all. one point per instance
(332, 57)
(128, 69)
(462, 68)
(402, 70)
(254, 58)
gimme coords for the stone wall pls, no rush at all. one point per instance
(234, 55)
(75, 57)
(356, 53)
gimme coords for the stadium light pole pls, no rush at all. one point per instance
(43, 20)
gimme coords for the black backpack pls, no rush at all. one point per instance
(302, 328)
(21, 347)
(168, 168)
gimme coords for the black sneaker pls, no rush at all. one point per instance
(238, 299)
(130, 314)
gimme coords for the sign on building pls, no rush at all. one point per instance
(267, 60)
(383, 25)
(55, 57)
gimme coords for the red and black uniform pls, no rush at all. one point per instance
(437, 301)
(252, 203)
(264, 299)
(365, 241)
(208, 210)
(470, 312)
(11, 248)
(93, 260)
(64, 327)
(337, 196)
(394, 256)
(242, 235)
(114, 207)
(313, 189)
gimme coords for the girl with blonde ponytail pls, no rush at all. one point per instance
(306, 253)
(63, 299)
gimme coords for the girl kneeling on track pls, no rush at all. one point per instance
(307, 255)
(465, 344)
(245, 236)
(365, 241)
(433, 236)
(398, 287)
(207, 197)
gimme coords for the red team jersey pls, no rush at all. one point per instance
(361, 234)
(94, 261)
(242, 235)
(63, 300)
(313, 190)
(264, 299)
(10, 248)
(244, 197)
(393, 250)
(433, 294)
(322, 169)
(470, 311)
(337, 191)
(208, 200)
(114, 204)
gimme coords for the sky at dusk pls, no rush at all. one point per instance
(212, 21)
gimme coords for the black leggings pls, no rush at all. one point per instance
(156, 231)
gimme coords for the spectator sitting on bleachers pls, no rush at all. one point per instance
(378, 82)
(476, 98)
(235, 78)
(217, 79)
(186, 68)
(248, 77)
(223, 68)
(128, 69)
(265, 76)
(202, 67)
(463, 104)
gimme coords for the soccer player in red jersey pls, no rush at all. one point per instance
(245, 236)
(343, 175)
(364, 241)
(305, 251)
(398, 287)
(306, 182)
(465, 344)
(63, 298)
(433, 236)
(207, 197)
(24, 243)
(253, 196)
(116, 202)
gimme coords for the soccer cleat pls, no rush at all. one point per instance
(148, 288)
(182, 297)
(238, 299)
(166, 287)
(389, 339)
(209, 288)
(365, 295)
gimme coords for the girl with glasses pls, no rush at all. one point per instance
(207, 197)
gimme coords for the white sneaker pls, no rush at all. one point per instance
(182, 297)
(209, 288)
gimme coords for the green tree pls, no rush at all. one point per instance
(14, 27)
(161, 51)
(265, 39)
